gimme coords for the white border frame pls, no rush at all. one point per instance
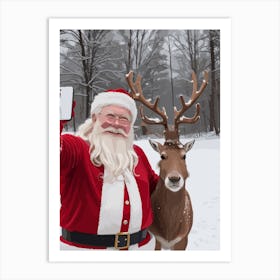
(222, 255)
(24, 101)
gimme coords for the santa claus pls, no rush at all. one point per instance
(106, 181)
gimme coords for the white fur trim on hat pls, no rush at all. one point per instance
(114, 98)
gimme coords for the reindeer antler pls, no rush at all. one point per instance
(171, 133)
(137, 94)
(178, 115)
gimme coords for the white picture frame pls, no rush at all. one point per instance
(24, 161)
(223, 254)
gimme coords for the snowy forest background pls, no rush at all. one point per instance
(92, 61)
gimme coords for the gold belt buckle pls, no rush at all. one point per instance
(126, 239)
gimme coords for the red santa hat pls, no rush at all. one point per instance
(118, 97)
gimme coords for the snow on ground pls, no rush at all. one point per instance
(203, 185)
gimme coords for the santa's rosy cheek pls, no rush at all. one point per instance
(105, 124)
(125, 128)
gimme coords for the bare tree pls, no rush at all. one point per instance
(83, 55)
(192, 45)
(214, 101)
(96, 60)
(144, 56)
(143, 50)
(200, 50)
(191, 54)
(171, 71)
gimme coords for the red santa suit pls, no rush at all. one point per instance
(91, 206)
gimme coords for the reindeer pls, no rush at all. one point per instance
(171, 203)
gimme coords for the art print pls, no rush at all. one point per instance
(175, 57)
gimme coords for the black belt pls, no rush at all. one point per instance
(121, 240)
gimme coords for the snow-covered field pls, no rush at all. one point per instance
(203, 185)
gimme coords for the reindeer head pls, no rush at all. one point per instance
(173, 169)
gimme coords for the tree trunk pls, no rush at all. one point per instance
(83, 53)
(129, 44)
(212, 102)
(171, 72)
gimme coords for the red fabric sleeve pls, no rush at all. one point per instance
(70, 145)
(153, 177)
(71, 151)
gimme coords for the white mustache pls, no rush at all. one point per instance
(115, 130)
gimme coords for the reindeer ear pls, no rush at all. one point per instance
(188, 145)
(155, 145)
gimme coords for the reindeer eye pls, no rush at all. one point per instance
(163, 156)
(184, 157)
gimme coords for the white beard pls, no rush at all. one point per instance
(115, 152)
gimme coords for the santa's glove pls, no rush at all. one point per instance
(62, 123)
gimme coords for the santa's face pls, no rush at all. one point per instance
(115, 120)
(111, 140)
